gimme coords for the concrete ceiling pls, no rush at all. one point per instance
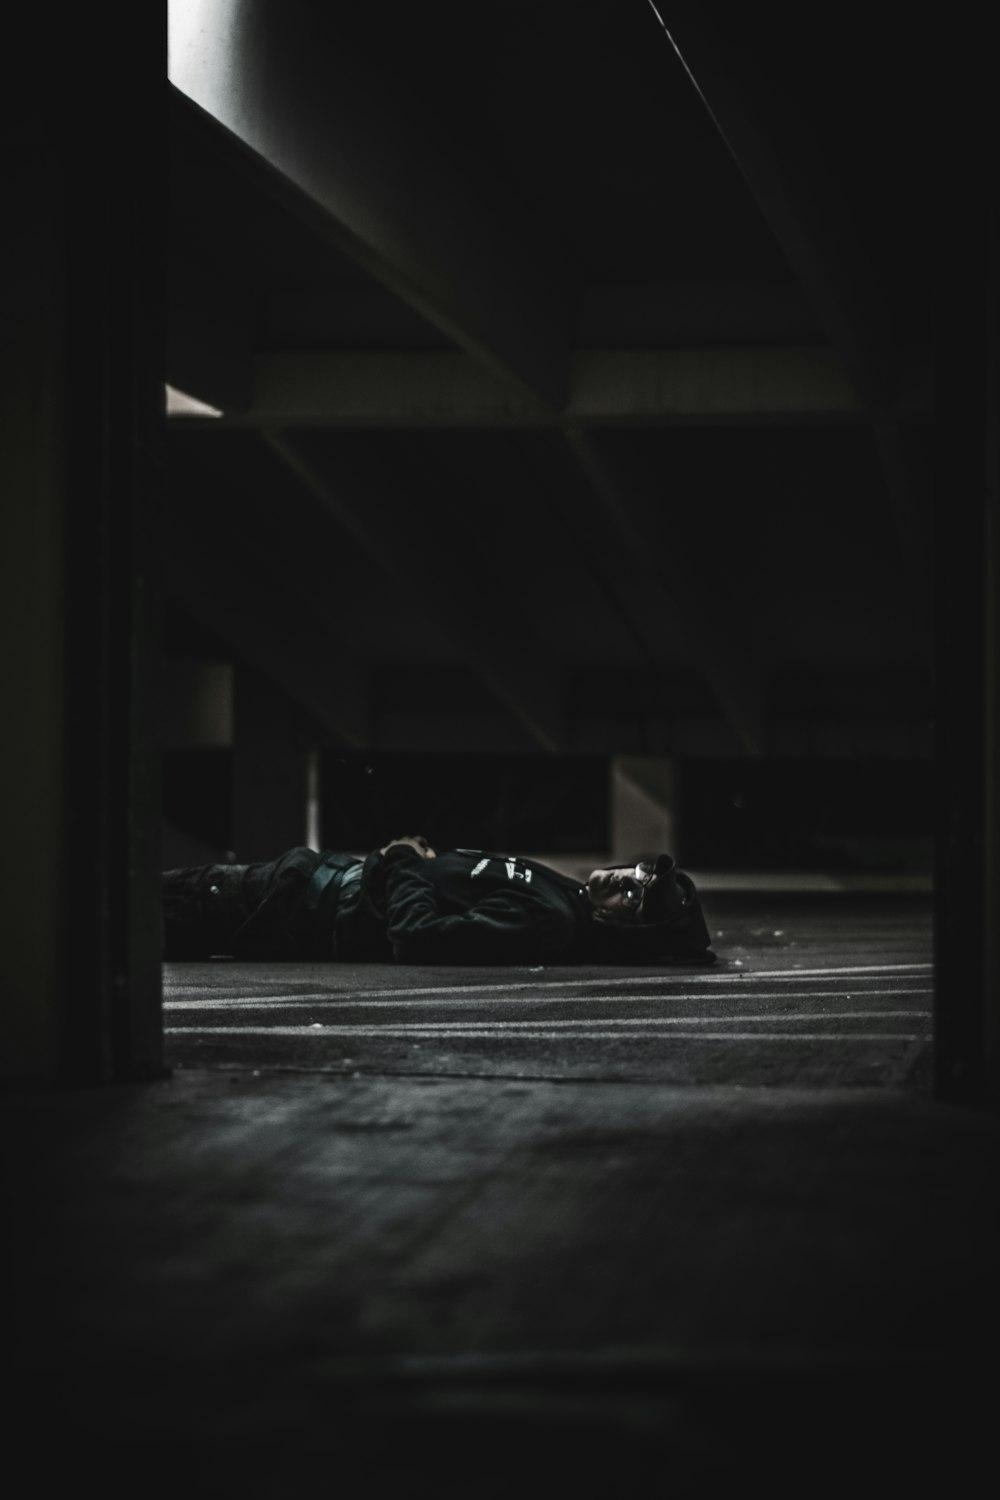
(574, 367)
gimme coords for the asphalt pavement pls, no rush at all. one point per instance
(814, 991)
(463, 1229)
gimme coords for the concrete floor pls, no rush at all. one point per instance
(455, 1229)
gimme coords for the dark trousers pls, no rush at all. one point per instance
(262, 910)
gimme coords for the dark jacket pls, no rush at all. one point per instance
(467, 906)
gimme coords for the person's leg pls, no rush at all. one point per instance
(281, 922)
(205, 905)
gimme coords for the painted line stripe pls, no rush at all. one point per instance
(328, 1034)
(343, 1002)
(737, 978)
(444, 1026)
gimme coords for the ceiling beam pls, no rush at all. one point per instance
(811, 223)
(412, 207)
(798, 203)
(477, 625)
(641, 387)
(698, 629)
(647, 386)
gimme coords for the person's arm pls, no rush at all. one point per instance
(511, 926)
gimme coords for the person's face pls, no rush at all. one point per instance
(617, 895)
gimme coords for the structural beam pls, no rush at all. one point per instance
(615, 388)
(412, 208)
(656, 386)
(798, 204)
(808, 219)
(694, 630)
(967, 624)
(81, 465)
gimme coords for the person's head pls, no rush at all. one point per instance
(645, 912)
(620, 894)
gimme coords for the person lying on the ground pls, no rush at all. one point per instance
(407, 903)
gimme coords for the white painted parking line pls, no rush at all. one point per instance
(458, 999)
(614, 1021)
(742, 980)
(738, 979)
(537, 1033)
(922, 968)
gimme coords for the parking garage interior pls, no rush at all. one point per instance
(566, 430)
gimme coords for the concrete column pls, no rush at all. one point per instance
(642, 806)
(273, 769)
(991, 1009)
(967, 600)
(82, 129)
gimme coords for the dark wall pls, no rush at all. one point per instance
(528, 803)
(864, 815)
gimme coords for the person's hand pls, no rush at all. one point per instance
(415, 841)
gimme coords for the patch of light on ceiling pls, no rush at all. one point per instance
(179, 404)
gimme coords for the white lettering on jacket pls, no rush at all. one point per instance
(510, 865)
